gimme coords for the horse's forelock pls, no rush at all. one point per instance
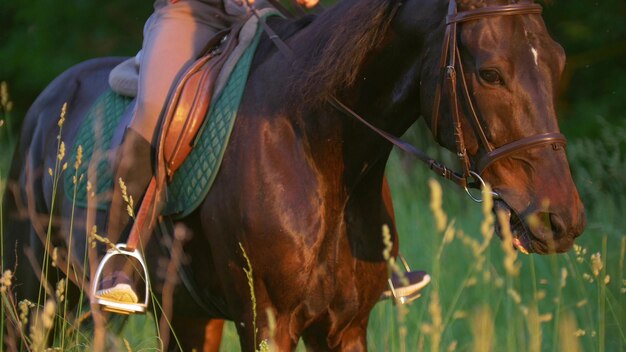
(339, 42)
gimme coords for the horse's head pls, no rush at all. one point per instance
(505, 67)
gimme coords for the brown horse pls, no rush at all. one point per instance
(302, 185)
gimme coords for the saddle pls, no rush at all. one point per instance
(189, 99)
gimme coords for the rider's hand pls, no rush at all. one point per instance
(308, 3)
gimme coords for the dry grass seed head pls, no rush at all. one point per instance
(387, 243)
(5, 281)
(25, 306)
(62, 117)
(596, 264)
(55, 256)
(436, 205)
(511, 265)
(60, 291)
(569, 333)
(563, 277)
(5, 102)
(127, 198)
(435, 328)
(79, 157)
(482, 329)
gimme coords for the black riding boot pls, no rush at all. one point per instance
(134, 168)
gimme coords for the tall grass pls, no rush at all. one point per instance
(48, 323)
(6, 141)
(549, 303)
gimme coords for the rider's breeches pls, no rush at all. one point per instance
(174, 36)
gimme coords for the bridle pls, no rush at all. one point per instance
(451, 63)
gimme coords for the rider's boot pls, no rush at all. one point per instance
(406, 287)
(120, 280)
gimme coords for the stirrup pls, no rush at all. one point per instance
(115, 306)
(411, 296)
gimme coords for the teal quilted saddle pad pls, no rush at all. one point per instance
(192, 181)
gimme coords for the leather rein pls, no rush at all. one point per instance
(451, 63)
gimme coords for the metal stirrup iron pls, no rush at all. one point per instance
(130, 251)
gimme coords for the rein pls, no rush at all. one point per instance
(450, 62)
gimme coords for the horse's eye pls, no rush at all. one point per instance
(491, 77)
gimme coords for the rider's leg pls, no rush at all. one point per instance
(174, 36)
(134, 169)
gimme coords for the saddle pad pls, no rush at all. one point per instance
(94, 136)
(193, 180)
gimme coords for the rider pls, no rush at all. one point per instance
(174, 36)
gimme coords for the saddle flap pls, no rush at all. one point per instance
(190, 101)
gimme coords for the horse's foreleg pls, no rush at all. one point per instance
(213, 335)
(198, 334)
(278, 337)
(353, 338)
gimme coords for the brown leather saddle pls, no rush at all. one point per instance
(190, 100)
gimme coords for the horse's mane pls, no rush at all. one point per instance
(332, 48)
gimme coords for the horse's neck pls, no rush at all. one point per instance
(385, 89)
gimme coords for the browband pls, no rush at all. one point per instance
(501, 10)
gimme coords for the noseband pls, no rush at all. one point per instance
(450, 63)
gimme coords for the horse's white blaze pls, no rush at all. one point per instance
(532, 48)
(535, 55)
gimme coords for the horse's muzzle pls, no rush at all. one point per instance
(541, 232)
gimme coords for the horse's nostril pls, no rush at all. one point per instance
(550, 226)
(557, 225)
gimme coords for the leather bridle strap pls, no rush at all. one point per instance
(500, 10)
(433, 164)
(525, 143)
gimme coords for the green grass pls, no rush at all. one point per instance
(526, 311)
